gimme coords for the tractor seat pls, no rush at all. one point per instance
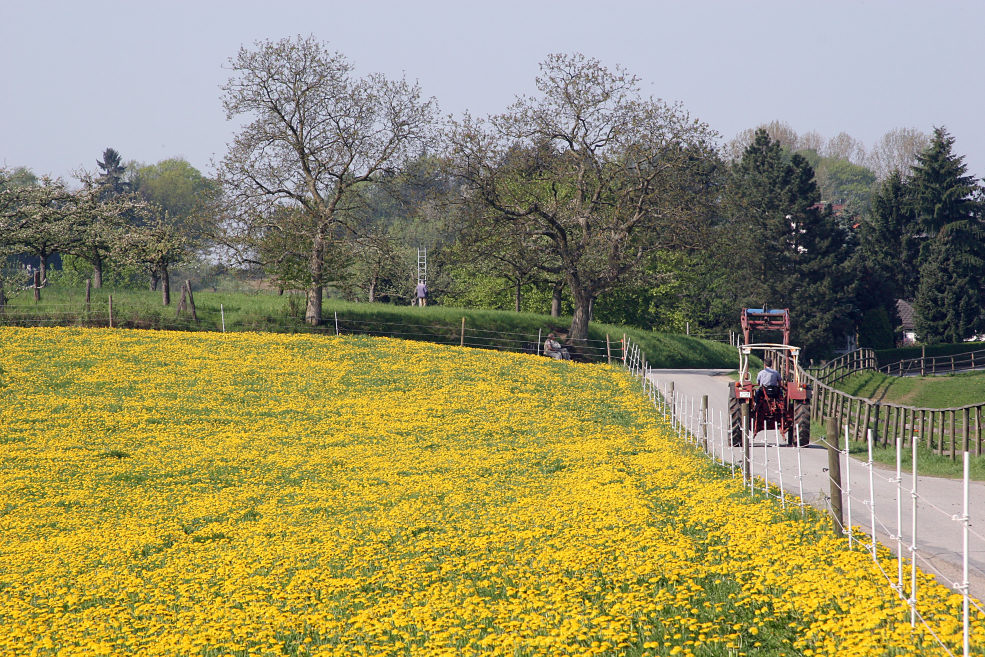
(773, 392)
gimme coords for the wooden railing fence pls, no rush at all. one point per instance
(946, 431)
(843, 366)
(929, 366)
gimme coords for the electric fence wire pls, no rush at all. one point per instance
(868, 542)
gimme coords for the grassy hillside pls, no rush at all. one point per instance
(284, 314)
(175, 493)
(947, 391)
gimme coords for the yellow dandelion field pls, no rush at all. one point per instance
(249, 494)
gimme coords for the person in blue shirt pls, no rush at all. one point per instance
(768, 376)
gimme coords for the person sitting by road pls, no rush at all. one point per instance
(553, 348)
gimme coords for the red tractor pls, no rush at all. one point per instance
(785, 406)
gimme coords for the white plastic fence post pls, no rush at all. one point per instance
(222, 313)
(766, 462)
(779, 467)
(749, 437)
(539, 341)
(872, 499)
(721, 434)
(693, 422)
(899, 516)
(731, 449)
(800, 471)
(913, 545)
(848, 490)
(336, 323)
(681, 416)
(964, 565)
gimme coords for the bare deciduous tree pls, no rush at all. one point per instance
(779, 131)
(897, 150)
(316, 134)
(607, 176)
(845, 147)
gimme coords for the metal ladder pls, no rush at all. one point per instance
(422, 265)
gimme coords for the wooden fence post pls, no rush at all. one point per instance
(865, 423)
(978, 431)
(191, 300)
(111, 311)
(37, 286)
(953, 437)
(608, 349)
(462, 342)
(182, 302)
(834, 475)
(966, 425)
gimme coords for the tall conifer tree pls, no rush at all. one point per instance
(952, 252)
(784, 248)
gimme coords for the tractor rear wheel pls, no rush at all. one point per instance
(801, 425)
(735, 416)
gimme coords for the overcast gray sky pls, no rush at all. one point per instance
(143, 76)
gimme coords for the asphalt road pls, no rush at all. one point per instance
(940, 501)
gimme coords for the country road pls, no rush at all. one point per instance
(939, 532)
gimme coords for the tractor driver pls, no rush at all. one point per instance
(768, 376)
(768, 379)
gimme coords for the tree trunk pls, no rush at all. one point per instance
(519, 295)
(43, 268)
(165, 286)
(97, 272)
(316, 264)
(581, 317)
(3, 297)
(372, 289)
(556, 300)
(312, 314)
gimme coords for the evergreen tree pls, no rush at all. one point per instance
(948, 211)
(111, 181)
(940, 191)
(890, 238)
(950, 298)
(781, 247)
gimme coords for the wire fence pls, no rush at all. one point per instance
(876, 504)
(763, 471)
(463, 333)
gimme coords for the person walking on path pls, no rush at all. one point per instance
(422, 293)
